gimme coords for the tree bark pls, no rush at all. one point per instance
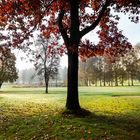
(104, 80)
(46, 81)
(100, 82)
(116, 79)
(132, 83)
(86, 81)
(96, 81)
(72, 101)
(128, 79)
(122, 80)
(46, 84)
(112, 82)
(1, 84)
(56, 81)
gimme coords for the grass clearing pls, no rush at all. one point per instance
(29, 114)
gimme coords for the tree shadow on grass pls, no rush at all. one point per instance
(112, 94)
(26, 91)
(22, 92)
(127, 95)
(122, 123)
(125, 125)
(97, 94)
(121, 127)
(76, 113)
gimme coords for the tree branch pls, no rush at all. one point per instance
(61, 27)
(96, 22)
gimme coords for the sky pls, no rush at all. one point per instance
(130, 30)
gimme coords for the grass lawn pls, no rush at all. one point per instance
(29, 114)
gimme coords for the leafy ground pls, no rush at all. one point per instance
(29, 114)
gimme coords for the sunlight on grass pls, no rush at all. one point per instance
(28, 113)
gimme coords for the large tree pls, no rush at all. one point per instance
(74, 19)
(8, 71)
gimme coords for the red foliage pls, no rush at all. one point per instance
(22, 17)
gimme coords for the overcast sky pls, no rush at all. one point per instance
(130, 30)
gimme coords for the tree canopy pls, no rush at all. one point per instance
(22, 17)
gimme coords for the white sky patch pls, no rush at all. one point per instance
(130, 30)
(21, 62)
(64, 61)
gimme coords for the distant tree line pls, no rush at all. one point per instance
(101, 72)
(96, 71)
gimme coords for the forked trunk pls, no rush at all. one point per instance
(72, 102)
(72, 43)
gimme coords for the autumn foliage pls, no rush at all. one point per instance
(22, 17)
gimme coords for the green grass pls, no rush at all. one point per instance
(29, 114)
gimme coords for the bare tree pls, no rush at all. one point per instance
(46, 59)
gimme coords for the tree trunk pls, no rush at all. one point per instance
(116, 79)
(96, 81)
(128, 79)
(72, 43)
(100, 81)
(56, 81)
(122, 80)
(46, 81)
(112, 82)
(86, 81)
(1, 84)
(46, 84)
(104, 80)
(72, 101)
(132, 83)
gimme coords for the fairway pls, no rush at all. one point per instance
(30, 114)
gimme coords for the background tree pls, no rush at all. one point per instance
(122, 74)
(94, 70)
(46, 59)
(8, 71)
(109, 74)
(83, 73)
(137, 54)
(74, 21)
